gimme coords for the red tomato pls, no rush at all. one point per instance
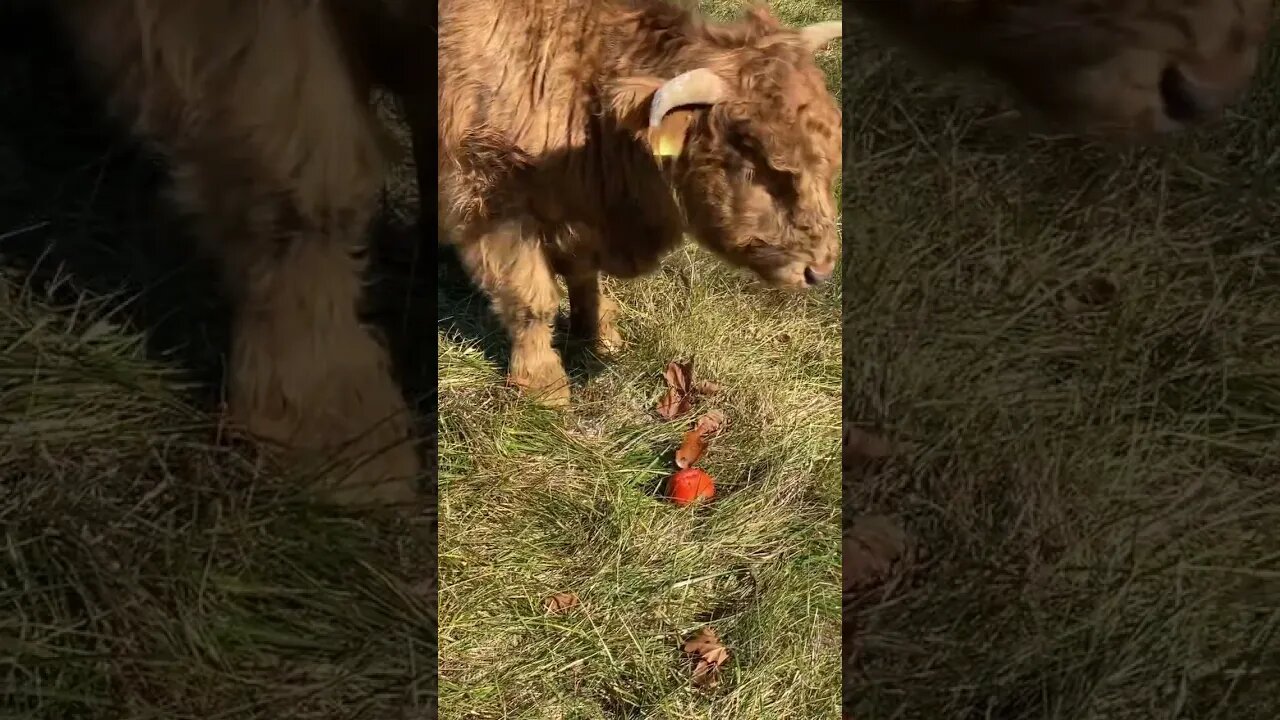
(689, 485)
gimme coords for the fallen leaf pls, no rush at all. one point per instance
(682, 390)
(678, 398)
(694, 442)
(673, 404)
(710, 423)
(872, 546)
(560, 603)
(709, 654)
(679, 375)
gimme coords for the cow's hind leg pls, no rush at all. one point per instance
(593, 314)
(511, 268)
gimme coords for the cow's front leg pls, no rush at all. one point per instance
(593, 314)
(513, 271)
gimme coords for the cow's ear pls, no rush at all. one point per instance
(667, 139)
(629, 100)
(660, 111)
(817, 36)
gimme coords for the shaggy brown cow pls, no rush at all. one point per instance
(1106, 67)
(262, 109)
(551, 114)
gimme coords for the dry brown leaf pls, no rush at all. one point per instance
(678, 398)
(560, 603)
(871, 549)
(710, 423)
(669, 405)
(682, 390)
(694, 442)
(673, 404)
(709, 654)
(706, 674)
(679, 375)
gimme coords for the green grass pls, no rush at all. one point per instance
(534, 502)
(149, 570)
(1079, 348)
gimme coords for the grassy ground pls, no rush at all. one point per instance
(146, 571)
(534, 503)
(1078, 348)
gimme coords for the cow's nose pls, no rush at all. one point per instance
(1187, 99)
(816, 277)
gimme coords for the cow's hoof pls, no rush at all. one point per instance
(545, 383)
(387, 479)
(351, 432)
(608, 342)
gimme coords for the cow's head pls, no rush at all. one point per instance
(1103, 67)
(751, 138)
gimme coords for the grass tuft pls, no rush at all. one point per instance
(149, 572)
(1078, 346)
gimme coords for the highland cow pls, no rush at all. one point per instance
(586, 137)
(1100, 67)
(549, 111)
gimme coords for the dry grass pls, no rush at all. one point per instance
(1079, 346)
(534, 502)
(147, 570)
(149, 574)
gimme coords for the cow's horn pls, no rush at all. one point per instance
(696, 87)
(819, 34)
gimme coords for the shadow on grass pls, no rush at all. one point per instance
(79, 202)
(1021, 408)
(464, 311)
